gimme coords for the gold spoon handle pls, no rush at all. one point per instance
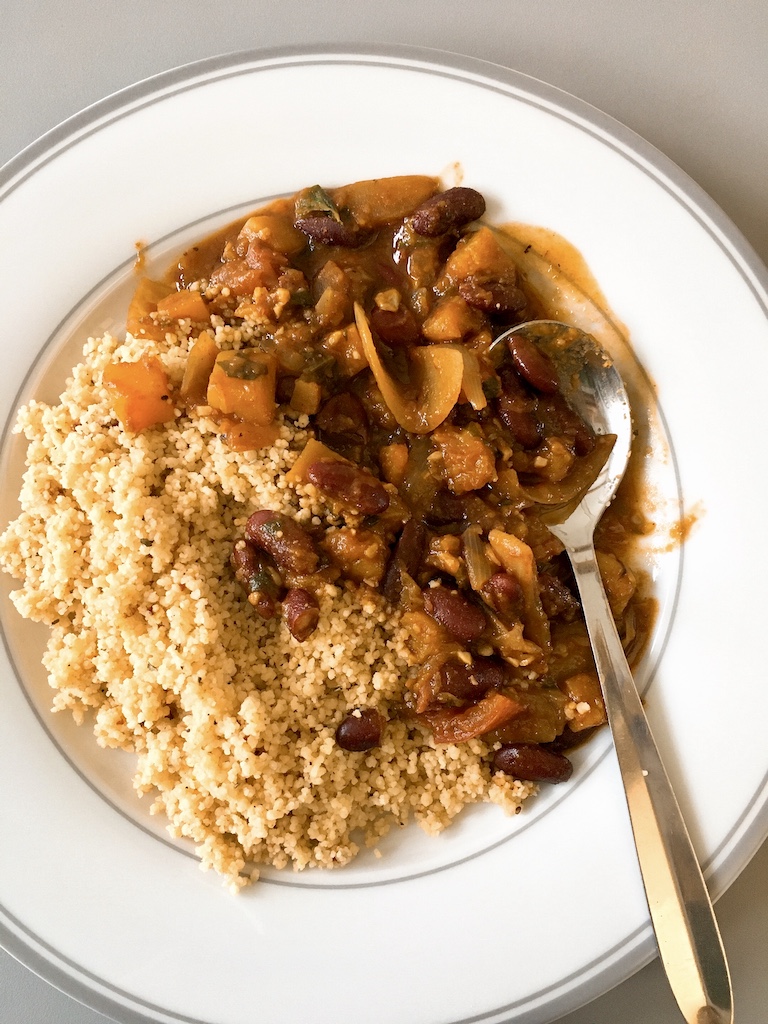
(687, 934)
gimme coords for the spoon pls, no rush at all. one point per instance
(687, 934)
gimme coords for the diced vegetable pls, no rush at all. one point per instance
(378, 200)
(145, 299)
(578, 481)
(242, 384)
(260, 268)
(584, 690)
(468, 462)
(306, 397)
(517, 558)
(314, 451)
(346, 348)
(275, 230)
(541, 719)
(248, 437)
(436, 374)
(451, 320)
(444, 554)
(360, 554)
(479, 254)
(140, 393)
(197, 372)
(393, 459)
(457, 726)
(184, 305)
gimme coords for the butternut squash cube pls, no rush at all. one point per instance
(248, 437)
(393, 459)
(275, 230)
(468, 462)
(478, 253)
(144, 301)
(307, 396)
(242, 384)
(184, 305)
(451, 320)
(378, 200)
(140, 393)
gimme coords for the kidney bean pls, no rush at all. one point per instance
(348, 445)
(410, 546)
(301, 612)
(351, 486)
(532, 763)
(522, 425)
(492, 295)
(447, 210)
(505, 595)
(282, 538)
(284, 386)
(395, 327)
(406, 557)
(469, 682)
(452, 610)
(360, 730)
(327, 230)
(570, 423)
(517, 409)
(568, 739)
(342, 425)
(343, 413)
(260, 579)
(557, 599)
(533, 365)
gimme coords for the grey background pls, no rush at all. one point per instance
(691, 76)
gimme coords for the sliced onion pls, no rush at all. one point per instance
(518, 559)
(479, 568)
(472, 382)
(437, 372)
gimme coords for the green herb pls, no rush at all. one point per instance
(316, 200)
(491, 388)
(243, 369)
(302, 297)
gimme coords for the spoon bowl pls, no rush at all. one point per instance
(684, 923)
(593, 387)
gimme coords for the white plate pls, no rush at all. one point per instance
(497, 920)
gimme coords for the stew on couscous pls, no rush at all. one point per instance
(311, 582)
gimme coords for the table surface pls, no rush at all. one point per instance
(690, 77)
